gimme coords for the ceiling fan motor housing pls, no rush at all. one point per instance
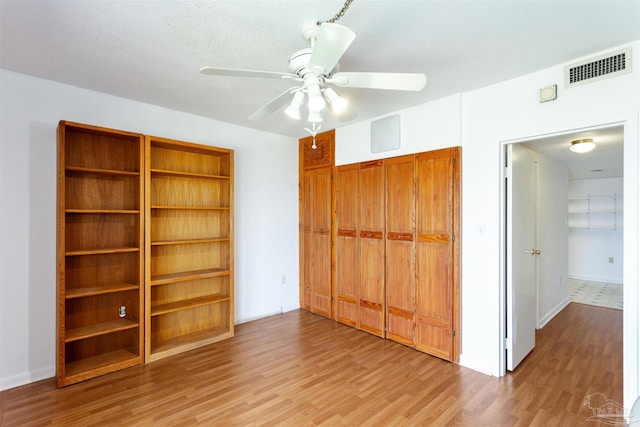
(299, 61)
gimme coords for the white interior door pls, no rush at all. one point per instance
(521, 254)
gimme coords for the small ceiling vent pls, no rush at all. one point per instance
(598, 68)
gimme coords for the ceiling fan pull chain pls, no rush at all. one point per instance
(339, 14)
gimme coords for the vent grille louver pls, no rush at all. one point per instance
(593, 69)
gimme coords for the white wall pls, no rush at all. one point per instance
(266, 201)
(552, 238)
(426, 127)
(590, 248)
(482, 121)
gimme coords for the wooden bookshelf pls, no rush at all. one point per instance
(189, 243)
(100, 251)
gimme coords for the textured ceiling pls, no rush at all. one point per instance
(151, 51)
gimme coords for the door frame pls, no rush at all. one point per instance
(631, 241)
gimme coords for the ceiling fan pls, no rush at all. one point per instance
(315, 71)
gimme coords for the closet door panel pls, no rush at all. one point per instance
(435, 202)
(316, 205)
(372, 285)
(347, 253)
(400, 249)
(372, 264)
(306, 231)
(321, 243)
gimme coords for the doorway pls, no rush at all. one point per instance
(556, 166)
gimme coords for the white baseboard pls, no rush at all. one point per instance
(553, 312)
(597, 279)
(283, 309)
(27, 378)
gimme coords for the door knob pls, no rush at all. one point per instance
(534, 252)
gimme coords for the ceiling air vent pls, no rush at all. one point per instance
(600, 67)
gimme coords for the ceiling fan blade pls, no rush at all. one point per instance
(331, 43)
(391, 81)
(213, 71)
(274, 105)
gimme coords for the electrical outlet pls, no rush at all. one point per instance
(284, 280)
(610, 260)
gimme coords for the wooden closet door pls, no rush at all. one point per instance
(347, 246)
(321, 243)
(437, 256)
(316, 206)
(372, 248)
(306, 233)
(400, 249)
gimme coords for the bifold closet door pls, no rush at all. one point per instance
(436, 261)
(318, 241)
(371, 219)
(400, 249)
(316, 198)
(347, 246)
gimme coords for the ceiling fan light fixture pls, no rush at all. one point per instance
(337, 102)
(316, 100)
(293, 110)
(581, 146)
(315, 117)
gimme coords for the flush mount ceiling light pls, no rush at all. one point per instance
(582, 145)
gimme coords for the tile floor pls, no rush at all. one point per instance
(596, 293)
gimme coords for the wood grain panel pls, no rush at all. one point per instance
(372, 246)
(115, 230)
(400, 249)
(184, 258)
(187, 328)
(371, 193)
(172, 292)
(347, 289)
(186, 191)
(96, 270)
(435, 291)
(101, 191)
(99, 148)
(347, 200)
(306, 251)
(436, 253)
(435, 201)
(320, 257)
(347, 256)
(179, 224)
(189, 159)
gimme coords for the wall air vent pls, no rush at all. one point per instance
(601, 67)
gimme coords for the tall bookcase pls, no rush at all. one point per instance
(189, 246)
(144, 249)
(100, 251)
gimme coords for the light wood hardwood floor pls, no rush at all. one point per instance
(300, 369)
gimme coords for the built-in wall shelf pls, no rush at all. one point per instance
(596, 211)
